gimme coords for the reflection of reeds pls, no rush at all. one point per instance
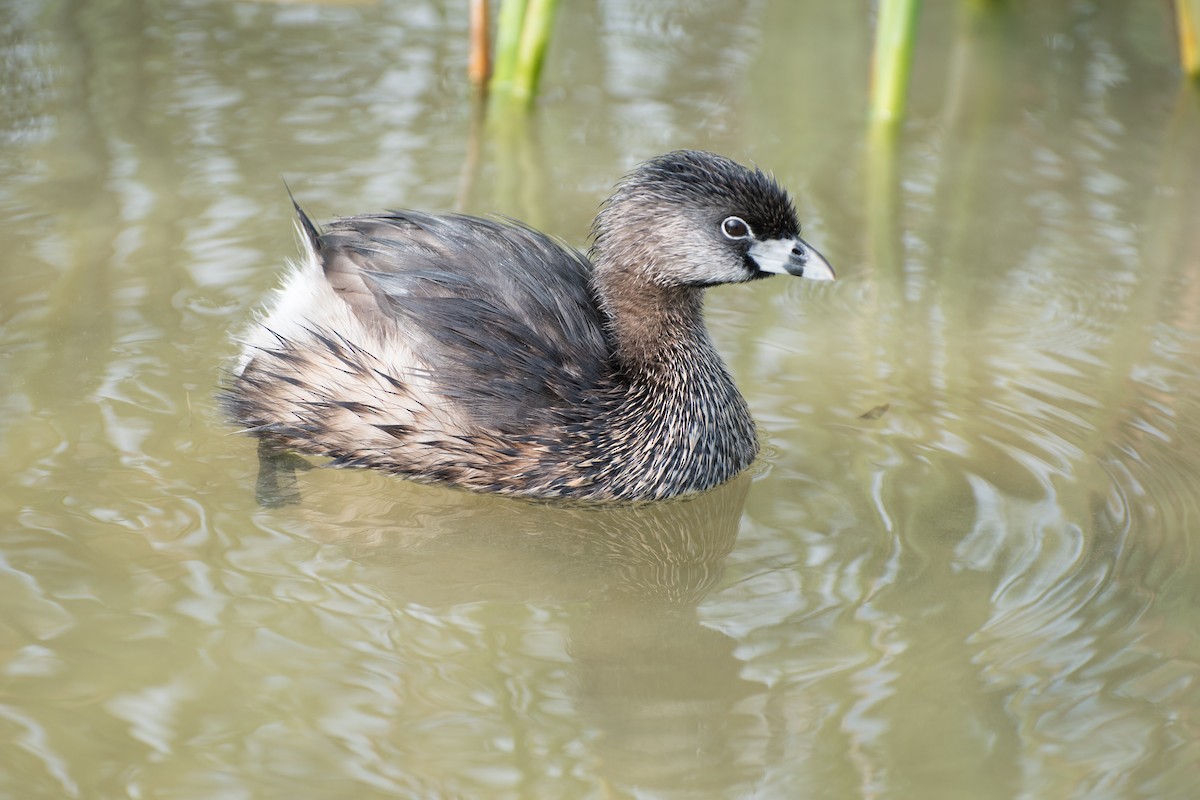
(895, 34)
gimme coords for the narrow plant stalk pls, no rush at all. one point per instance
(895, 36)
(1187, 20)
(531, 51)
(508, 38)
(479, 64)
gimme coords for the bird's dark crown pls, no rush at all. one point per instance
(715, 185)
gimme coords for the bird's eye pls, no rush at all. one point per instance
(735, 228)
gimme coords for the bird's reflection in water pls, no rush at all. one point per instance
(659, 689)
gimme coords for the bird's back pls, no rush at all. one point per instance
(406, 335)
(502, 315)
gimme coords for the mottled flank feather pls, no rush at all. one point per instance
(481, 353)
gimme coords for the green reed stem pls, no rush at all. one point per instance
(508, 38)
(895, 37)
(1187, 20)
(523, 33)
(535, 37)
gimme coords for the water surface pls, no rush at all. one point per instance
(963, 568)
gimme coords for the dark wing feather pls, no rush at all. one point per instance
(503, 316)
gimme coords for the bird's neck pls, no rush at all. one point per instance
(663, 351)
(692, 426)
(654, 327)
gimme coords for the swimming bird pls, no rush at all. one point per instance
(480, 353)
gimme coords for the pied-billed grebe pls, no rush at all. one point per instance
(481, 353)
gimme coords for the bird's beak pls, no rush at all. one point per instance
(791, 257)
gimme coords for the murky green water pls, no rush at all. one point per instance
(965, 567)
